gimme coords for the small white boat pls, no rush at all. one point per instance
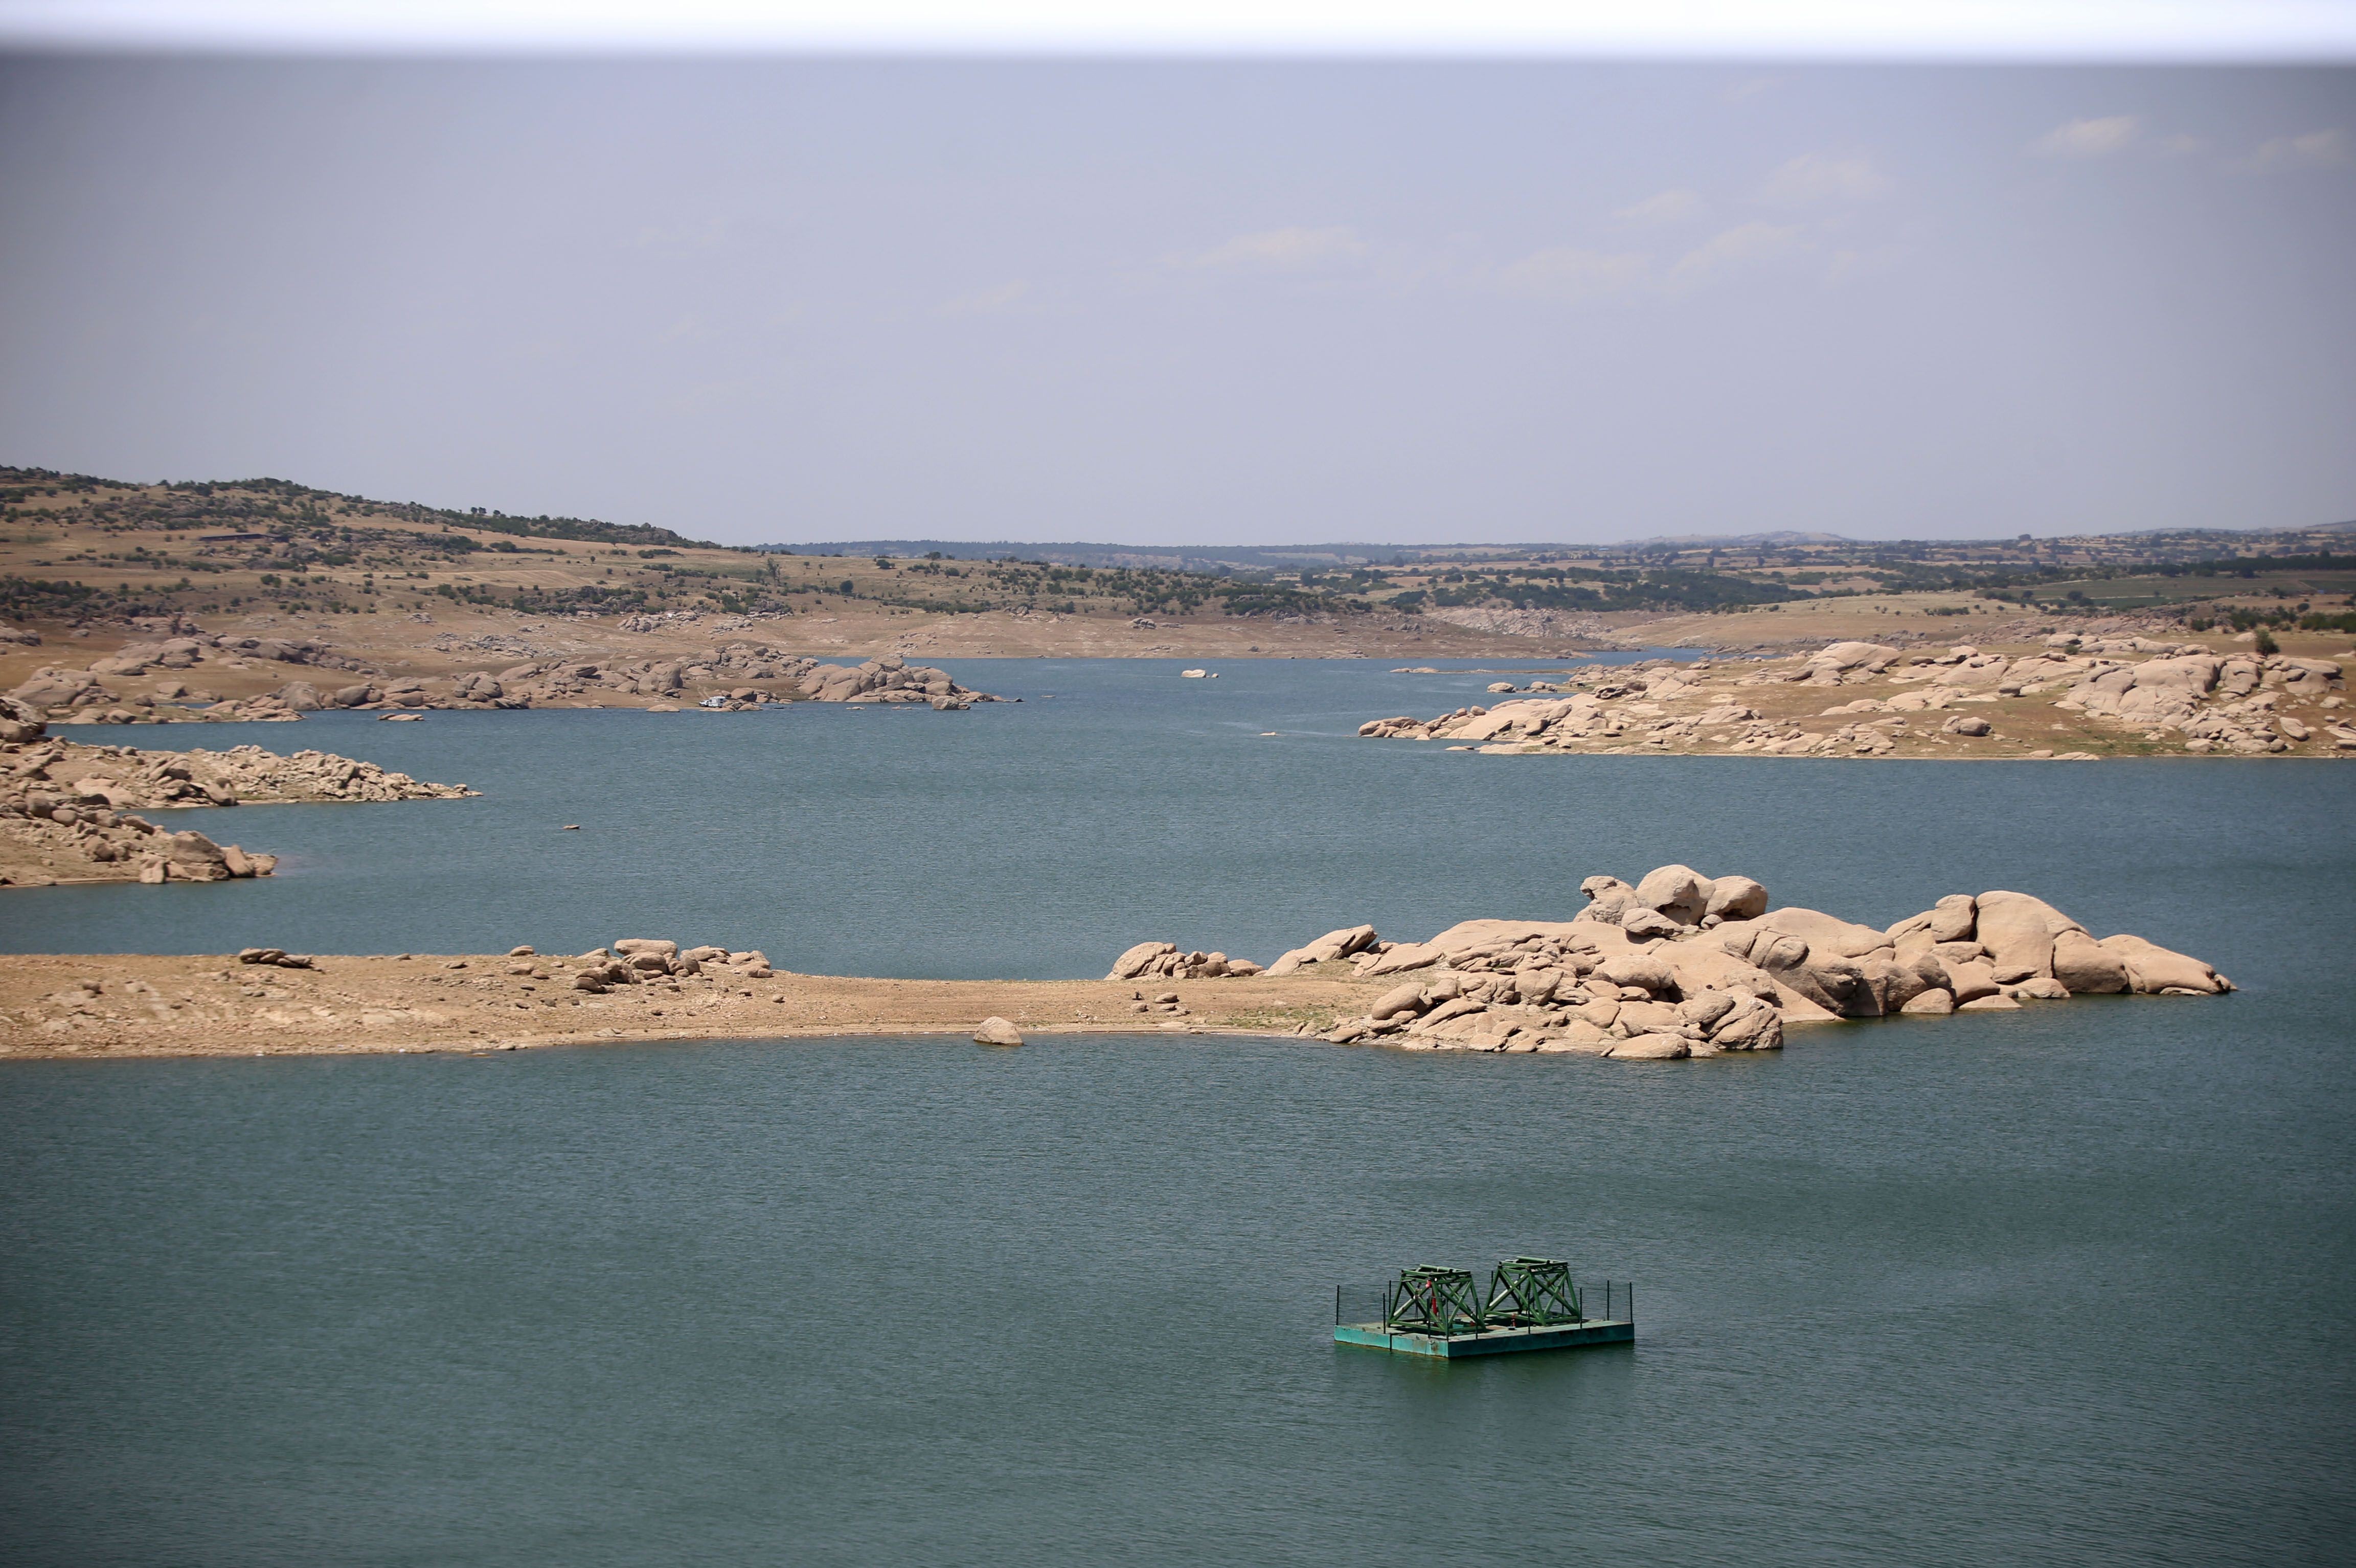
(1192, 673)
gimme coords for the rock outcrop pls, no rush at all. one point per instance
(1922, 704)
(735, 677)
(1679, 964)
(1164, 960)
(49, 839)
(65, 808)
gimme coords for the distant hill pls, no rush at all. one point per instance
(265, 504)
(1112, 557)
(2157, 543)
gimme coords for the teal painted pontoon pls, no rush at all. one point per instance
(1532, 1304)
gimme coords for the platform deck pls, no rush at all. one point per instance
(1488, 1341)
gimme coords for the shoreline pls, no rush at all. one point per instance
(143, 1006)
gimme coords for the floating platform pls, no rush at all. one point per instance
(1532, 1304)
(1486, 1342)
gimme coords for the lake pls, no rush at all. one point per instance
(2075, 1285)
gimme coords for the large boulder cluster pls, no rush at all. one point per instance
(1167, 961)
(127, 778)
(48, 837)
(65, 809)
(888, 679)
(2209, 702)
(646, 960)
(1678, 964)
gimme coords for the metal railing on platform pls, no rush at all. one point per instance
(1412, 1305)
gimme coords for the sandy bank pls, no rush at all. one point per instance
(126, 1005)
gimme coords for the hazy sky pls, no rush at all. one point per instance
(1262, 302)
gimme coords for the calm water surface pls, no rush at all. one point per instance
(2072, 1286)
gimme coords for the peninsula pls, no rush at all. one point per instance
(2063, 696)
(1676, 966)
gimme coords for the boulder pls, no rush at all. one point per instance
(1933, 1003)
(1641, 1017)
(193, 858)
(1894, 981)
(1824, 932)
(2083, 965)
(1141, 957)
(1406, 956)
(20, 721)
(1406, 998)
(631, 946)
(997, 1031)
(1538, 986)
(1955, 918)
(1648, 924)
(1607, 899)
(2151, 969)
(1839, 658)
(1970, 982)
(1705, 1010)
(1578, 1035)
(1736, 898)
(1679, 892)
(1333, 944)
(1967, 724)
(1651, 1048)
(2018, 932)
(1700, 967)
(1998, 1004)
(2194, 673)
(1639, 969)
(1750, 1025)
(52, 688)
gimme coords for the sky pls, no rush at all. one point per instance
(1250, 300)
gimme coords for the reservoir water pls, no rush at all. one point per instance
(2075, 1285)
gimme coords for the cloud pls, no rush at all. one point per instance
(2089, 138)
(985, 301)
(1813, 178)
(1668, 207)
(1745, 245)
(2315, 150)
(1571, 274)
(1281, 250)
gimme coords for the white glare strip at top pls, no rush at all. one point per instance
(1889, 29)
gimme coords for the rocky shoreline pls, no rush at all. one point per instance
(2065, 699)
(1676, 966)
(1680, 965)
(734, 677)
(66, 808)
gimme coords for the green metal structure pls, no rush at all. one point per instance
(1432, 1301)
(1529, 1292)
(1533, 1304)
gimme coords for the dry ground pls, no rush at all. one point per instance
(127, 1005)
